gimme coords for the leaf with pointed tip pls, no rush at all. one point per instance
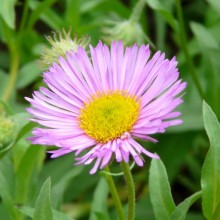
(181, 210)
(160, 193)
(43, 209)
(7, 12)
(210, 177)
(58, 189)
(204, 36)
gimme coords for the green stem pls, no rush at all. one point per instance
(12, 44)
(183, 38)
(131, 190)
(10, 87)
(136, 13)
(114, 193)
(24, 16)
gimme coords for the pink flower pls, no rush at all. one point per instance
(99, 107)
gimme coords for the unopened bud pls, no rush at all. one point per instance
(61, 42)
(7, 130)
(127, 31)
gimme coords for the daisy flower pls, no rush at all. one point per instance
(99, 107)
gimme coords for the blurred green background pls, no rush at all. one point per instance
(189, 30)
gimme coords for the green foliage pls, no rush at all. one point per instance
(99, 205)
(160, 192)
(7, 12)
(215, 5)
(6, 195)
(210, 179)
(165, 11)
(204, 37)
(28, 74)
(181, 210)
(56, 215)
(187, 29)
(43, 209)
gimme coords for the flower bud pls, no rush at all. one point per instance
(7, 129)
(127, 31)
(61, 42)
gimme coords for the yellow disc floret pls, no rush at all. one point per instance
(109, 115)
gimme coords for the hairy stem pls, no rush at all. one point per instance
(131, 190)
(114, 193)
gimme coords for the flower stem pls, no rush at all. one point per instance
(131, 190)
(12, 44)
(182, 36)
(12, 74)
(24, 16)
(114, 193)
(136, 13)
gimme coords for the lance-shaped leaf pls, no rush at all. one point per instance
(210, 179)
(160, 193)
(181, 210)
(43, 209)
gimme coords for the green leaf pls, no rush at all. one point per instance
(24, 127)
(7, 12)
(28, 74)
(24, 130)
(181, 210)
(216, 215)
(99, 204)
(159, 189)
(5, 195)
(28, 211)
(50, 17)
(204, 36)
(159, 6)
(39, 10)
(100, 216)
(43, 209)
(210, 179)
(215, 4)
(73, 18)
(4, 213)
(59, 188)
(87, 6)
(24, 172)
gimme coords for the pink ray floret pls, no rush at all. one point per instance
(77, 78)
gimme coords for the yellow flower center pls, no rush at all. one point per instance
(108, 116)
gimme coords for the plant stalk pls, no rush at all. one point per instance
(136, 13)
(131, 190)
(114, 193)
(10, 87)
(183, 38)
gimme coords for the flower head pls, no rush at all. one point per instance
(99, 107)
(8, 129)
(127, 31)
(61, 42)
